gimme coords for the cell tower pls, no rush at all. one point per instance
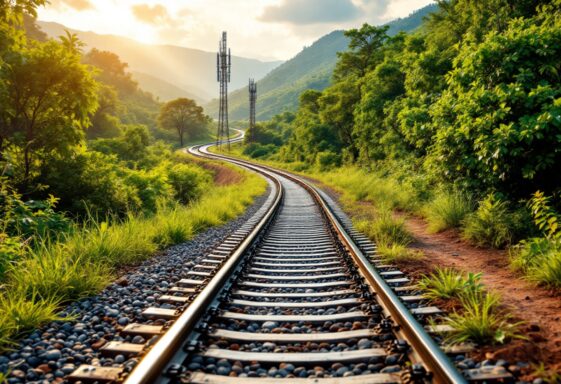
(223, 71)
(252, 102)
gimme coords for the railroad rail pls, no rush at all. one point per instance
(295, 295)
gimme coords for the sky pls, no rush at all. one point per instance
(262, 29)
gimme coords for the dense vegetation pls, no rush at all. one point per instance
(459, 121)
(89, 180)
(309, 69)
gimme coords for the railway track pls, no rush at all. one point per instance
(294, 295)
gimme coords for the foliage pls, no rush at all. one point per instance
(481, 321)
(82, 262)
(539, 258)
(499, 125)
(447, 210)
(29, 219)
(256, 150)
(492, 224)
(545, 217)
(185, 117)
(39, 105)
(188, 182)
(21, 314)
(446, 283)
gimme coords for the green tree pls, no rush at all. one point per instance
(498, 125)
(185, 117)
(48, 98)
(71, 42)
(364, 51)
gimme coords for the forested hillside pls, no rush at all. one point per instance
(310, 69)
(459, 122)
(190, 69)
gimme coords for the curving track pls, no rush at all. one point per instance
(295, 295)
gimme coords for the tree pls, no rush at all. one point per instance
(364, 51)
(48, 98)
(71, 42)
(498, 125)
(185, 117)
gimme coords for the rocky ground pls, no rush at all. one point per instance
(48, 354)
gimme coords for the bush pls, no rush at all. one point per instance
(187, 181)
(12, 249)
(256, 150)
(497, 123)
(326, 160)
(32, 218)
(447, 210)
(492, 224)
(150, 187)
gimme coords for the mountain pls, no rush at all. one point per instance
(187, 69)
(309, 69)
(161, 88)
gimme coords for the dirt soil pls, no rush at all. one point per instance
(539, 309)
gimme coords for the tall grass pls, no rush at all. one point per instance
(539, 259)
(81, 263)
(492, 224)
(481, 320)
(380, 190)
(447, 283)
(447, 210)
(20, 314)
(390, 235)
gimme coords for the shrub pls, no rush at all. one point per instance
(256, 150)
(447, 210)
(481, 320)
(539, 259)
(326, 160)
(187, 181)
(150, 186)
(446, 283)
(11, 250)
(491, 224)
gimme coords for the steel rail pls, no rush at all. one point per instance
(155, 361)
(424, 347)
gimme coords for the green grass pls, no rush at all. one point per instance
(540, 260)
(492, 224)
(481, 321)
(447, 283)
(447, 210)
(389, 234)
(20, 314)
(82, 263)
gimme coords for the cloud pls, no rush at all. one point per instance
(157, 14)
(79, 5)
(300, 12)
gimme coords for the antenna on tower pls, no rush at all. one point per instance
(224, 69)
(252, 103)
